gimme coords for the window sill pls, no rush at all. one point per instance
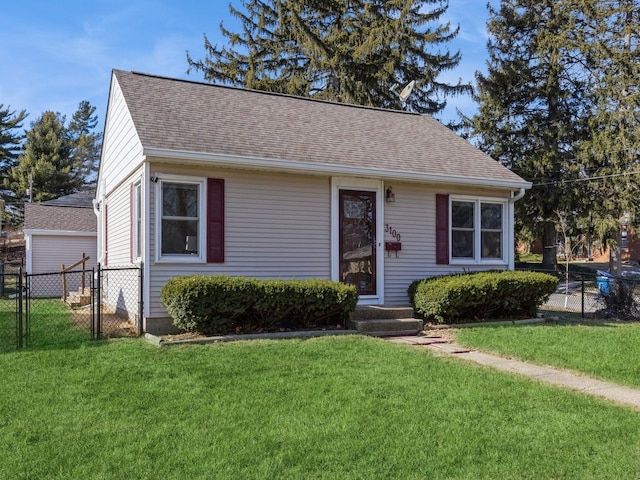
(472, 262)
(181, 259)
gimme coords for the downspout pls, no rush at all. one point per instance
(96, 209)
(512, 240)
(518, 196)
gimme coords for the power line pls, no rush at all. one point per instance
(587, 179)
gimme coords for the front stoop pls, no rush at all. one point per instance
(385, 321)
(388, 327)
(379, 312)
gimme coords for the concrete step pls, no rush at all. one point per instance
(388, 327)
(79, 298)
(378, 312)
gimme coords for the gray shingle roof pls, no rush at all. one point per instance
(80, 200)
(203, 118)
(51, 217)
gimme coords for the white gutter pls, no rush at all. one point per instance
(205, 159)
(511, 215)
(517, 196)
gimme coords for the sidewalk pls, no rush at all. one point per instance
(610, 391)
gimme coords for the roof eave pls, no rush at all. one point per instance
(291, 166)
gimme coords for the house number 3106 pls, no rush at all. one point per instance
(392, 231)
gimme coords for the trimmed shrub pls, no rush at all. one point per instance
(207, 304)
(411, 291)
(481, 296)
(221, 304)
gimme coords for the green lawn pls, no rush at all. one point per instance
(51, 323)
(605, 350)
(8, 339)
(341, 407)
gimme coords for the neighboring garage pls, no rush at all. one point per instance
(58, 232)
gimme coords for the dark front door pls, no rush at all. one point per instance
(358, 240)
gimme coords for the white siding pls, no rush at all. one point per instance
(413, 216)
(121, 291)
(120, 288)
(49, 252)
(118, 204)
(121, 155)
(122, 150)
(276, 226)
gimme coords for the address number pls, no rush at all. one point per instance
(392, 231)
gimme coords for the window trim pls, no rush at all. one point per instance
(137, 226)
(202, 220)
(477, 231)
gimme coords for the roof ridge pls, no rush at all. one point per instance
(273, 94)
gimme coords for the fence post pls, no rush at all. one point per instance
(140, 298)
(26, 295)
(93, 302)
(582, 281)
(99, 302)
(64, 283)
(2, 279)
(84, 261)
(19, 309)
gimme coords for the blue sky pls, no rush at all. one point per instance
(55, 54)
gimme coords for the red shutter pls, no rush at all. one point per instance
(442, 229)
(215, 220)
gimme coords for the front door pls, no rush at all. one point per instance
(358, 240)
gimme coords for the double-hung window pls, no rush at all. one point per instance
(189, 219)
(491, 231)
(181, 212)
(462, 229)
(477, 231)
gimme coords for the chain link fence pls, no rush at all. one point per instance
(594, 295)
(59, 308)
(39, 310)
(11, 326)
(120, 292)
(47, 309)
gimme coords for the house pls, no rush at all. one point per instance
(59, 232)
(203, 179)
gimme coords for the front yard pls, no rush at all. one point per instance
(601, 349)
(342, 407)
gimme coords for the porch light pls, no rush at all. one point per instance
(390, 197)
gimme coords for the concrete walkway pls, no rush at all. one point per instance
(610, 391)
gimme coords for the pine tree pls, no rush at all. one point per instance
(86, 144)
(350, 52)
(46, 164)
(610, 37)
(531, 103)
(10, 140)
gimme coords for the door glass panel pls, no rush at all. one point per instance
(357, 240)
